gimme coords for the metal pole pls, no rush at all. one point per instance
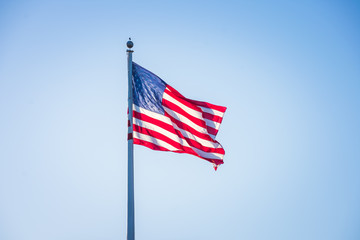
(131, 207)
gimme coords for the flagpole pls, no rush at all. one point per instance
(130, 195)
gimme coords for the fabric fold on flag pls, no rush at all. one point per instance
(165, 120)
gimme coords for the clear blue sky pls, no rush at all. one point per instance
(288, 71)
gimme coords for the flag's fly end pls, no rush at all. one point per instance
(215, 166)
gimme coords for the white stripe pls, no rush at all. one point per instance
(192, 112)
(153, 140)
(158, 129)
(152, 114)
(166, 120)
(185, 120)
(177, 139)
(209, 155)
(212, 136)
(212, 111)
(212, 124)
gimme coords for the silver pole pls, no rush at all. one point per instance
(131, 207)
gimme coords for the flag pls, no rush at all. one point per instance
(165, 120)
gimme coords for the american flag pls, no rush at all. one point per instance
(165, 120)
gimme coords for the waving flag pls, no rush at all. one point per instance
(165, 120)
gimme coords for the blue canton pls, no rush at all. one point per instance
(148, 89)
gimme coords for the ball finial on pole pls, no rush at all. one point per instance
(129, 43)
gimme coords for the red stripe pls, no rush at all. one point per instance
(175, 92)
(181, 100)
(169, 128)
(130, 136)
(159, 123)
(149, 145)
(212, 130)
(160, 136)
(211, 117)
(198, 103)
(158, 148)
(176, 108)
(208, 105)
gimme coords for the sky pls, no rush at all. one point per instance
(287, 71)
